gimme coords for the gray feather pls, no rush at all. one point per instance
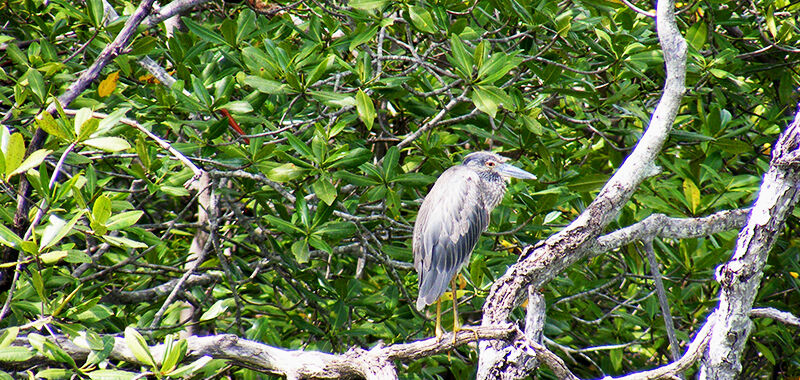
(452, 217)
(448, 225)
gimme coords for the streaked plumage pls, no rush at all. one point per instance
(452, 217)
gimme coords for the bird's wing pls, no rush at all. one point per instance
(448, 225)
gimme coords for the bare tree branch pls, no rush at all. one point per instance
(691, 355)
(741, 276)
(662, 226)
(116, 296)
(542, 262)
(663, 303)
(780, 316)
(375, 363)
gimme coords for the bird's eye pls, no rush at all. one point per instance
(490, 164)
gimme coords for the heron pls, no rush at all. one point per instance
(451, 218)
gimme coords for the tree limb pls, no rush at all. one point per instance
(662, 226)
(740, 277)
(542, 262)
(374, 363)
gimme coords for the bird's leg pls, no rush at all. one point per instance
(438, 329)
(456, 325)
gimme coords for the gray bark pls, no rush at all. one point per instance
(541, 263)
(741, 276)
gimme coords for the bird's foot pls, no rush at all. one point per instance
(438, 332)
(457, 328)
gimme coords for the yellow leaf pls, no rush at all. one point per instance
(794, 274)
(149, 78)
(108, 85)
(692, 194)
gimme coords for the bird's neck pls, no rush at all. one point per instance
(494, 187)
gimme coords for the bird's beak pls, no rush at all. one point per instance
(508, 170)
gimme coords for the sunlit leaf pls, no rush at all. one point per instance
(366, 110)
(108, 144)
(138, 346)
(108, 85)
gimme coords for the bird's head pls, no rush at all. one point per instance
(488, 162)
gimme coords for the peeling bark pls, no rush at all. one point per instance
(541, 263)
(741, 276)
(375, 363)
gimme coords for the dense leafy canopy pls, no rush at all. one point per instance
(350, 111)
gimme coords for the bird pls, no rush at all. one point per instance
(452, 216)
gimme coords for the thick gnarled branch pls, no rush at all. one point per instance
(544, 261)
(375, 363)
(741, 276)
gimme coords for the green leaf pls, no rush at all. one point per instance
(57, 229)
(390, 161)
(285, 172)
(14, 153)
(355, 179)
(282, 224)
(461, 59)
(773, 30)
(138, 346)
(697, 35)
(333, 99)
(124, 220)
(320, 244)
(200, 92)
(15, 354)
(185, 371)
(587, 183)
(239, 106)
(496, 67)
(108, 144)
(204, 33)
(52, 257)
(46, 122)
(352, 159)
(111, 374)
(215, 310)
(265, 85)
(111, 120)
(299, 146)
(175, 191)
(324, 190)
(564, 23)
(32, 161)
(173, 355)
(55, 374)
(8, 336)
(124, 242)
(367, 5)
(486, 99)
(96, 12)
(366, 110)
(300, 251)
(764, 350)
(88, 128)
(361, 36)
(414, 179)
(734, 146)
(101, 210)
(421, 19)
(77, 257)
(321, 68)
(143, 46)
(36, 83)
(81, 117)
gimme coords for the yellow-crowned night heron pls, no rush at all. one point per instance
(450, 220)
